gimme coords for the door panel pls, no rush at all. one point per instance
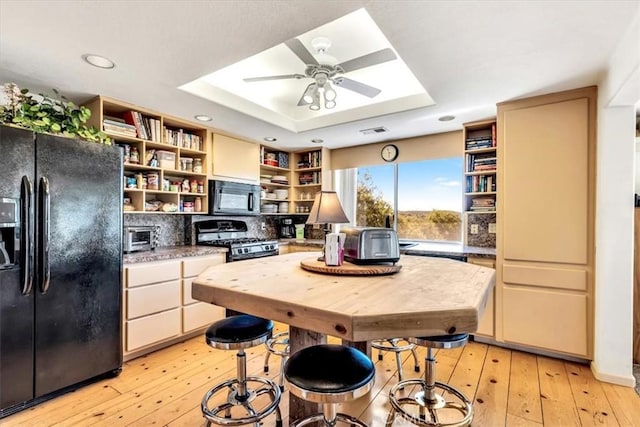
(16, 310)
(16, 340)
(546, 182)
(78, 320)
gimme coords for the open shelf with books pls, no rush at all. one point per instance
(480, 183)
(165, 158)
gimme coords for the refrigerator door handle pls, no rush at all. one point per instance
(45, 272)
(26, 238)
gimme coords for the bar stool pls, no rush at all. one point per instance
(278, 345)
(427, 398)
(393, 344)
(238, 333)
(329, 374)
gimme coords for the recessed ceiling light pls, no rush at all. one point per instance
(317, 140)
(98, 61)
(270, 139)
(203, 118)
(446, 118)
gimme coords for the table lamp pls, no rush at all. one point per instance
(327, 210)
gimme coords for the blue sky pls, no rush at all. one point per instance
(426, 185)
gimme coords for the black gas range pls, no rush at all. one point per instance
(233, 235)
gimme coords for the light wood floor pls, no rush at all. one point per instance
(508, 388)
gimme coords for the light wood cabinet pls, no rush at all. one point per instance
(158, 308)
(545, 246)
(165, 168)
(275, 174)
(306, 173)
(289, 249)
(235, 159)
(152, 303)
(197, 314)
(486, 323)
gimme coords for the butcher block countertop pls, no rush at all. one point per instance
(428, 296)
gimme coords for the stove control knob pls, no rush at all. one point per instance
(246, 250)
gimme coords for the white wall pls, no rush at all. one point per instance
(613, 328)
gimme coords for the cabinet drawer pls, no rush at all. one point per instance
(199, 315)
(152, 272)
(195, 266)
(553, 320)
(152, 299)
(151, 329)
(550, 277)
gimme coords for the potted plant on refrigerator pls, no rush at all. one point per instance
(45, 114)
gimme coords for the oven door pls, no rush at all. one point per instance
(233, 198)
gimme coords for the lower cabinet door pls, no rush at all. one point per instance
(485, 326)
(153, 328)
(201, 314)
(548, 319)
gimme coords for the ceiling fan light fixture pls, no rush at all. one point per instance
(329, 93)
(310, 93)
(315, 105)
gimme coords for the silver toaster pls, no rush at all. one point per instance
(370, 245)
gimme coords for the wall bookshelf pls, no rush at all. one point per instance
(165, 158)
(480, 183)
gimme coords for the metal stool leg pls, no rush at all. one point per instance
(428, 400)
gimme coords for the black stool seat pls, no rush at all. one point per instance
(329, 368)
(239, 329)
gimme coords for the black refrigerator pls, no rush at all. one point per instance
(60, 265)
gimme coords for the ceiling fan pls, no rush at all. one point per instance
(326, 69)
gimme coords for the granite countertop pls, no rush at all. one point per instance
(447, 249)
(170, 252)
(420, 248)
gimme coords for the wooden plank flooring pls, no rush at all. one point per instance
(508, 388)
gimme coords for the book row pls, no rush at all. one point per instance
(480, 184)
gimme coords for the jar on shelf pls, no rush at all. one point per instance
(134, 156)
(200, 187)
(187, 207)
(197, 165)
(153, 181)
(197, 204)
(194, 186)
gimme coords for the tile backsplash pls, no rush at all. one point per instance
(483, 238)
(178, 230)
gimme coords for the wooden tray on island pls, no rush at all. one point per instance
(348, 269)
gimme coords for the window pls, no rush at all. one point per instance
(429, 199)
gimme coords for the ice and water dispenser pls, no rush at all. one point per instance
(9, 232)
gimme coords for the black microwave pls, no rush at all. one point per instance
(233, 198)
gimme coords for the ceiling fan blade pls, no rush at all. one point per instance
(355, 86)
(368, 60)
(301, 52)
(263, 79)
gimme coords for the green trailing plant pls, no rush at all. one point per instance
(45, 114)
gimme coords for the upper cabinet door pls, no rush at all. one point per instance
(546, 178)
(236, 159)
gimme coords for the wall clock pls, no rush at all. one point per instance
(389, 153)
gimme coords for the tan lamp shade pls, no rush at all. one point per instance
(327, 209)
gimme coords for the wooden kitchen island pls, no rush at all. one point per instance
(428, 296)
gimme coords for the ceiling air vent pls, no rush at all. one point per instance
(372, 131)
